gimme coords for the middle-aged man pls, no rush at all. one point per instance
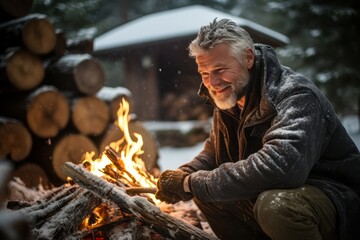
(278, 163)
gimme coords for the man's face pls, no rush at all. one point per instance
(223, 75)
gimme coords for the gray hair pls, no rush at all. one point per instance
(222, 31)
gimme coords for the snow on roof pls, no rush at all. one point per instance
(170, 24)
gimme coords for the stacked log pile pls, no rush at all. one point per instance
(54, 105)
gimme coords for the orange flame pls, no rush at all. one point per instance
(128, 149)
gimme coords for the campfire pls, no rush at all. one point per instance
(121, 161)
(110, 196)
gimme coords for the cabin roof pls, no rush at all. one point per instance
(173, 24)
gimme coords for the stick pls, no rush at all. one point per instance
(170, 226)
(137, 190)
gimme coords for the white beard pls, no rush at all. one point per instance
(237, 91)
(226, 103)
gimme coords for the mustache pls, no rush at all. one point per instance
(219, 87)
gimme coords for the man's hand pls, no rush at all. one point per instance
(170, 187)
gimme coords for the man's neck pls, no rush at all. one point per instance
(241, 102)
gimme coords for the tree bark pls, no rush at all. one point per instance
(79, 73)
(80, 46)
(34, 31)
(22, 69)
(90, 115)
(66, 221)
(15, 139)
(163, 223)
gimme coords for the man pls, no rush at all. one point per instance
(278, 164)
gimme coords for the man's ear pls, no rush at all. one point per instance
(249, 58)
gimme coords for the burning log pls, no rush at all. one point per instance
(34, 31)
(21, 69)
(15, 139)
(163, 223)
(79, 73)
(90, 115)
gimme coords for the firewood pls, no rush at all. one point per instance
(80, 73)
(66, 221)
(129, 231)
(39, 213)
(85, 45)
(59, 216)
(32, 175)
(137, 190)
(113, 96)
(71, 148)
(17, 203)
(60, 46)
(15, 139)
(14, 9)
(19, 192)
(34, 31)
(90, 115)
(21, 69)
(48, 112)
(163, 223)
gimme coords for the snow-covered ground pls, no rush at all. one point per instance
(171, 158)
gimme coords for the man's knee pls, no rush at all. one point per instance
(293, 212)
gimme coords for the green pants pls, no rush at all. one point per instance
(304, 213)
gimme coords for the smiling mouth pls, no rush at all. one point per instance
(220, 91)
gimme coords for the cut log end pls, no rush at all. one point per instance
(32, 175)
(71, 148)
(48, 113)
(89, 76)
(24, 70)
(90, 115)
(15, 140)
(39, 36)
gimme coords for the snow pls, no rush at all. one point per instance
(174, 23)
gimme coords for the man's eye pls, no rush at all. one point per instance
(220, 70)
(204, 75)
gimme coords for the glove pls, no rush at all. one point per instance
(170, 187)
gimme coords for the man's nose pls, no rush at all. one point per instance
(214, 80)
